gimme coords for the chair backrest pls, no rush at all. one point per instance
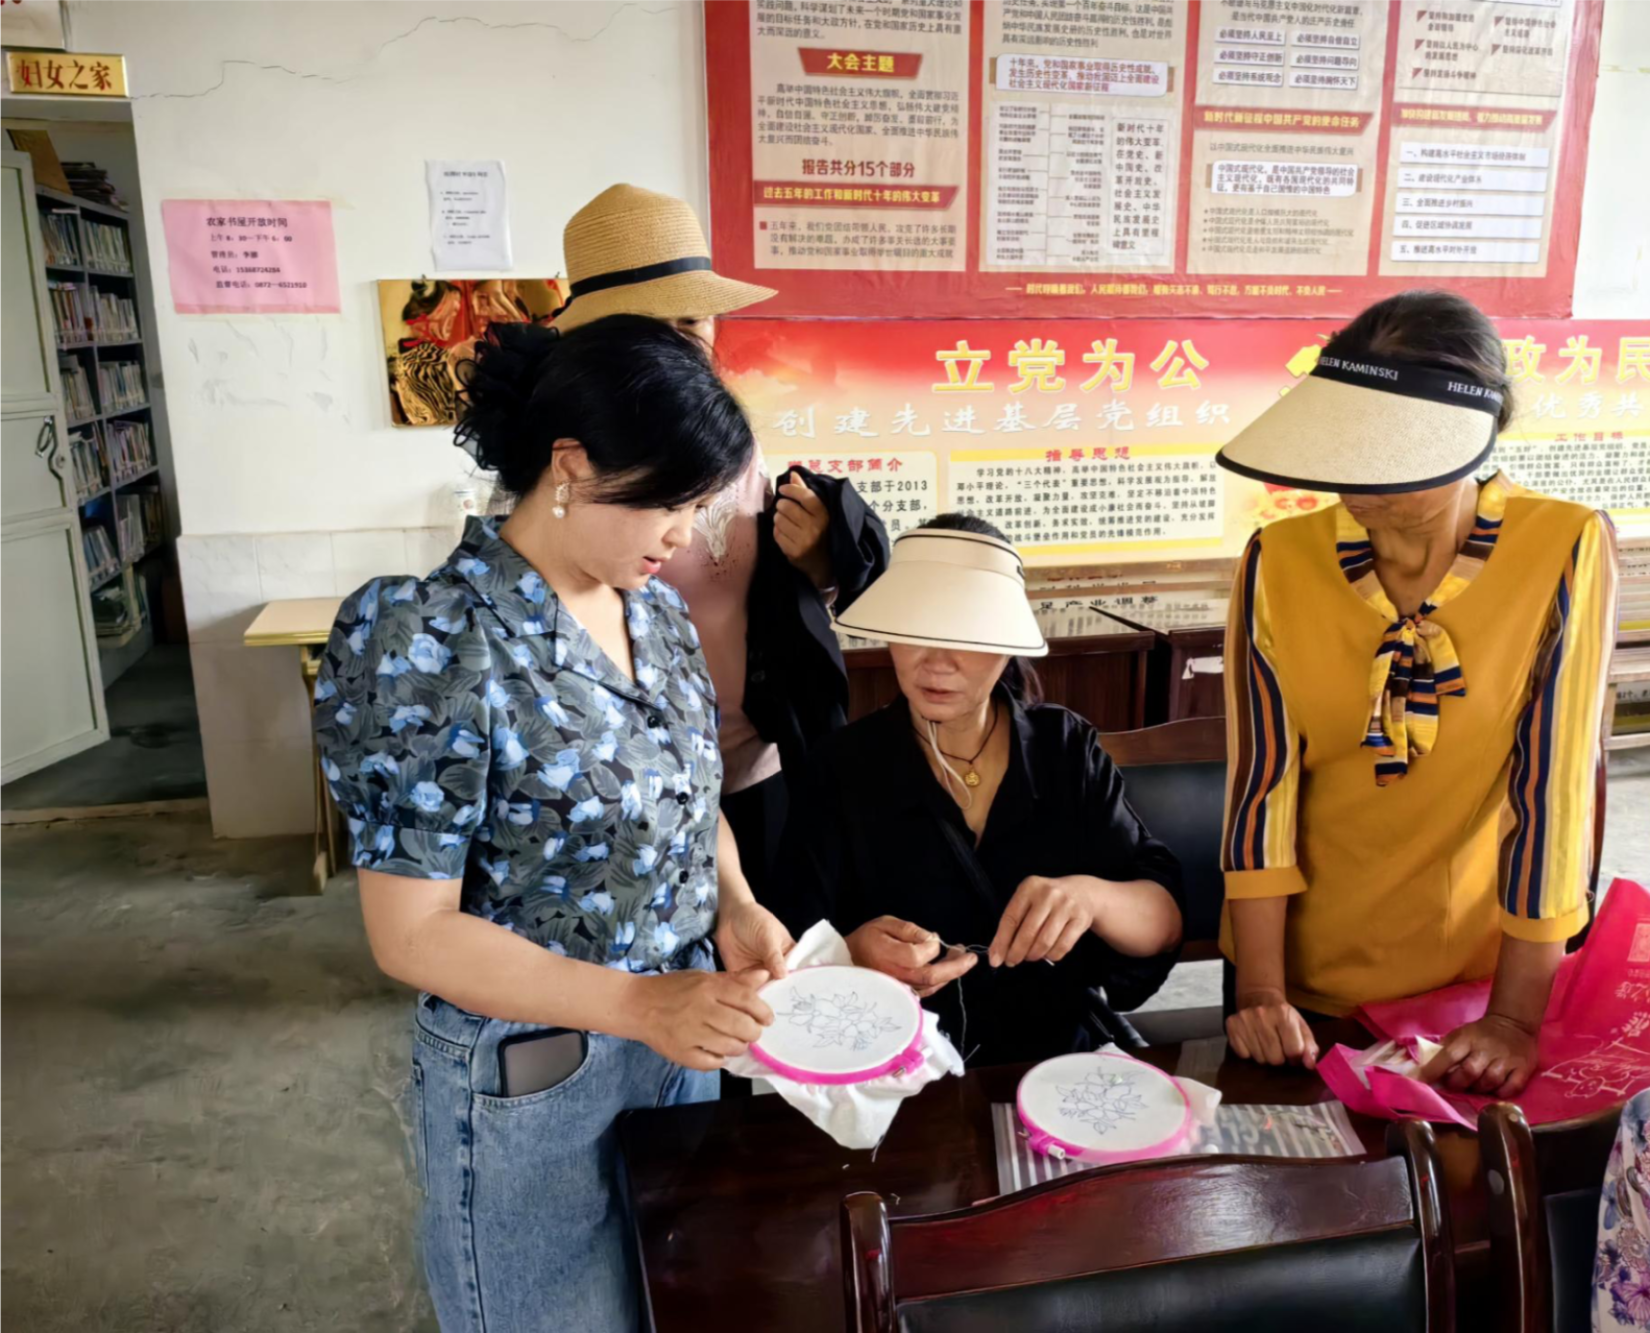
(1176, 780)
(1211, 1244)
(1543, 1197)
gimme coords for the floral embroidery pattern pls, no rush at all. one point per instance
(472, 730)
(1621, 1272)
(715, 519)
(1101, 1101)
(845, 1022)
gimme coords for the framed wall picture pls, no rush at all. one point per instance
(431, 325)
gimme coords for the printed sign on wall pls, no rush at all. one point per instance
(1087, 441)
(957, 158)
(251, 256)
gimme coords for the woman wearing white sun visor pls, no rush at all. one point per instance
(969, 833)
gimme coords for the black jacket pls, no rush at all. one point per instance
(796, 686)
(875, 834)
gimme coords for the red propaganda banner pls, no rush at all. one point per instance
(965, 158)
(1091, 441)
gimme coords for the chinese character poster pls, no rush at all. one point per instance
(1088, 441)
(955, 158)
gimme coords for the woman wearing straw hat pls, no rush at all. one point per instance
(967, 821)
(634, 251)
(1415, 681)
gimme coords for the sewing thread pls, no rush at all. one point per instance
(983, 950)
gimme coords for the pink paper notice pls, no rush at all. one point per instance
(251, 256)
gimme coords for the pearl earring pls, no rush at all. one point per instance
(559, 509)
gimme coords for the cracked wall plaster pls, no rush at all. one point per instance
(281, 423)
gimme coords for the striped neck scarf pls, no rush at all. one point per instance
(1416, 664)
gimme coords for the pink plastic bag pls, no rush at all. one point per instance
(1595, 1040)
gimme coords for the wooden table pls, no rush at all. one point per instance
(1630, 665)
(1096, 666)
(304, 623)
(1186, 678)
(736, 1202)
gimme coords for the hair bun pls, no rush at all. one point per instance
(497, 384)
(657, 426)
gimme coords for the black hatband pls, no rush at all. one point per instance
(627, 277)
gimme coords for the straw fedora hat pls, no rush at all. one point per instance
(632, 251)
(949, 589)
(1367, 425)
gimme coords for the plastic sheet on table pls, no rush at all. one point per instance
(1320, 1130)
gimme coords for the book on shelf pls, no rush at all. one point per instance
(154, 516)
(117, 319)
(78, 404)
(134, 540)
(106, 246)
(121, 608)
(74, 310)
(101, 560)
(86, 454)
(120, 386)
(60, 233)
(131, 449)
(90, 181)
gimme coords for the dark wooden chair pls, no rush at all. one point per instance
(1176, 780)
(1208, 1244)
(1192, 740)
(1542, 1189)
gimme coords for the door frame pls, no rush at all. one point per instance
(33, 406)
(50, 402)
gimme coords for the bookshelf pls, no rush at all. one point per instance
(105, 360)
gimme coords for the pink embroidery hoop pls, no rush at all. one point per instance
(896, 1051)
(1165, 1110)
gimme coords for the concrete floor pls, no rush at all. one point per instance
(201, 1083)
(201, 1077)
(153, 752)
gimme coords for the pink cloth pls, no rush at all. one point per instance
(714, 575)
(1595, 1038)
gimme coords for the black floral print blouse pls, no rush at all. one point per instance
(471, 729)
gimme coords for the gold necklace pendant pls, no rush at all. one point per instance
(972, 778)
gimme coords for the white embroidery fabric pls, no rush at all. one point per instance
(856, 1115)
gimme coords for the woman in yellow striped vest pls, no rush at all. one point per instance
(1415, 681)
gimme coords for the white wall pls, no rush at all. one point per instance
(291, 480)
(1613, 267)
(282, 423)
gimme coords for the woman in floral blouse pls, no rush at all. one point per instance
(1621, 1270)
(524, 745)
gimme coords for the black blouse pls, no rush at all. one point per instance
(875, 834)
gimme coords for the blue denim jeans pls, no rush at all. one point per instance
(523, 1225)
